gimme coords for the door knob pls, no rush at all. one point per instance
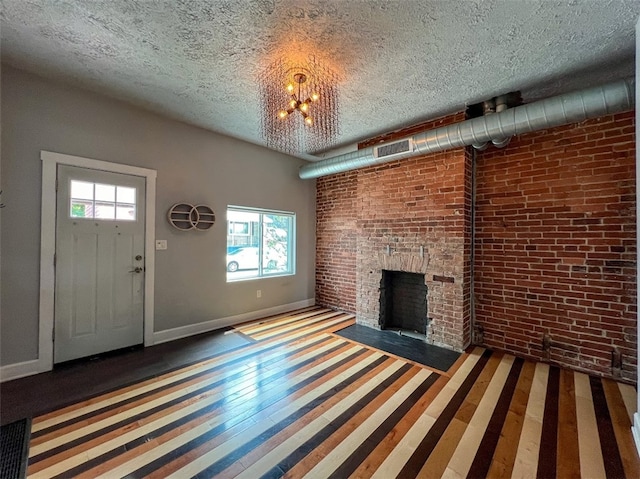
(137, 269)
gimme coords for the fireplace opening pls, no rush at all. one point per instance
(403, 303)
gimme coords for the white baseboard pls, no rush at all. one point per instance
(21, 370)
(635, 429)
(192, 329)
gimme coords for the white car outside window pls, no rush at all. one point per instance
(247, 258)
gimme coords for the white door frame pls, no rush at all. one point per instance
(50, 162)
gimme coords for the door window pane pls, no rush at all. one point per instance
(106, 193)
(81, 209)
(105, 211)
(126, 195)
(81, 190)
(125, 212)
(101, 201)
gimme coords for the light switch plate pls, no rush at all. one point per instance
(161, 244)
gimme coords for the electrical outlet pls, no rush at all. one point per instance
(259, 293)
(161, 244)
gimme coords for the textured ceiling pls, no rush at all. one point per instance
(400, 62)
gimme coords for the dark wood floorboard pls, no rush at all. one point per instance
(77, 380)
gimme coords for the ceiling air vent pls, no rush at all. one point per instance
(390, 149)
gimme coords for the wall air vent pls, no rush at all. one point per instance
(390, 149)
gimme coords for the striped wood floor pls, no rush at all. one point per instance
(303, 402)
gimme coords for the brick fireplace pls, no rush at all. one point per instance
(411, 216)
(443, 280)
(555, 246)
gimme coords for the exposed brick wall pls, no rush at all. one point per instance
(336, 235)
(555, 247)
(423, 201)
(555, 244)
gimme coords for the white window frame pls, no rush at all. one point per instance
(291, 251)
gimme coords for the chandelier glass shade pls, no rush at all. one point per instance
(299, 106)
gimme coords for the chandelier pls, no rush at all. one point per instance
(299, 106)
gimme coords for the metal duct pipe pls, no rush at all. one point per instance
(559, 110)
(501, 142)
(488, 108)
(501, 105)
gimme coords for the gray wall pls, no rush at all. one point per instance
(194, 166)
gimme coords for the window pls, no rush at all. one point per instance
(260, 243)
(239, 228)
(102, 202)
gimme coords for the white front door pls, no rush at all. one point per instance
(99, 273)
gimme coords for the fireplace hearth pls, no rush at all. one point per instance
(403, 303)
